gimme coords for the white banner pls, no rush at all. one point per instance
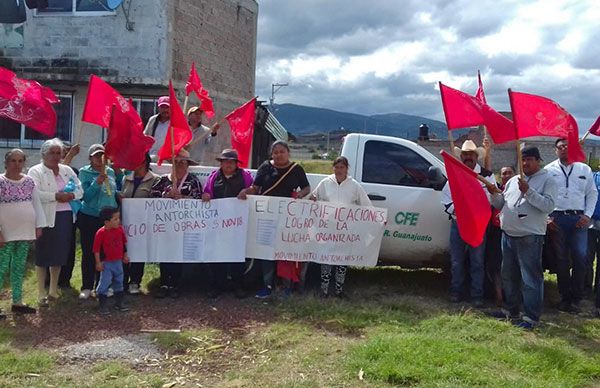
(185, 230)
(321, 232)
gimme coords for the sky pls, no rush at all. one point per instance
(387, 56)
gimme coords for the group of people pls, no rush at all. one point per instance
(549, 212)
(53, 200)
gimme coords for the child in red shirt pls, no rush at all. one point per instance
(110, 253)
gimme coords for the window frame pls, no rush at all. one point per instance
(137, 104)
(365, 164)
(74, 12)
(32, 144)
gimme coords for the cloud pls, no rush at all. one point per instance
(387, 56)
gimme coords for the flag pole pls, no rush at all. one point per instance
(173, 174)
(107, 181)
(585, 136)
(450, 137)
(81, 126)
(185, 102)
(517, 141)
(197, 139)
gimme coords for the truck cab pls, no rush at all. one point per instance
(405, 178)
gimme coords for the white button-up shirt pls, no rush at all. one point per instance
(447, 200)
(576, 188)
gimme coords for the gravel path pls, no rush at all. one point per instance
(135, 348)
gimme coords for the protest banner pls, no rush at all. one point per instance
(321, 232)
(185, 230)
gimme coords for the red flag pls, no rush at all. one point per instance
(27, 102)
(101, 97)
(540, 116)
(182, 134)
(126, 144)
(463, 110)
(195, 85)
(471, 204)
(241, 122)
(595, 128)
(479, 94)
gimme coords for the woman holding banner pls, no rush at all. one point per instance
(99, 191)
(280, 177)
(227, 182)
(58, 187)
(137, 184)
(338, 187)
(183, 185)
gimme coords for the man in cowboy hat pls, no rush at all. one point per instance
(469, 154)
(202, 134)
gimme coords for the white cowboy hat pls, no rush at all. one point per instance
(469, 146)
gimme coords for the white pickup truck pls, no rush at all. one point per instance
(405, 178)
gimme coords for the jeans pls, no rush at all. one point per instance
(268, 271)
(591, 280)
(458, 251)
(111, 277)
(572, 245)
(523, 275)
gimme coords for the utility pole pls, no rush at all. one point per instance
(274, 89)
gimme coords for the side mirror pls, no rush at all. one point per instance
(437, 180)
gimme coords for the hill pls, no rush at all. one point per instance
(303, 120)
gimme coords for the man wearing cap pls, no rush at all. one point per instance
(158, 125)
(227, 182)
(575, 203)
(469, 154)
(202, 134)
(524, 207)
(99, 189)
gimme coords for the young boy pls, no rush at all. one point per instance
(110, 253)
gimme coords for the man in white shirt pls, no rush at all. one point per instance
(202, 134)
(469, 154)
(158, 125)
(575, 203)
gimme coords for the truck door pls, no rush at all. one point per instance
(400, 179)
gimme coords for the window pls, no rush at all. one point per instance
(76, 7)
(13, 134)
(146, 107)
(394, 164)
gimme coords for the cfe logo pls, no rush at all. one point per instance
(406, 218)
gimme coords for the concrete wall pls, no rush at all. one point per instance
(219, 35)
(70, 48)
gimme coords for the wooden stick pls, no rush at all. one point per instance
(196, 140)
(585, 136)
(173, 174)
(519, 158)
(185, 102)
(107, 181)
(451, 138)
(160, 330)
(81, 125)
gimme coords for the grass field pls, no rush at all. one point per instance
(395, 329)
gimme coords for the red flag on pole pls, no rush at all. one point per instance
(195, 85)
(241, 122)
(27, 102)
(182, 134)
(101, 97)
(480, 95)
(540, 116)
(471, 205)
(595, 128)
(463, 110)
(126, 144)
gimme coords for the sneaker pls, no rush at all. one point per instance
(22, 309)
(477, 303)
(103, 310)
(85, 294)
(500, 314)
(43, 303)
(454, 298)
(287, 292)
(2, 315)
(525, 325)
(134, 289)
(568, 307)
(162, 292)
(173, 293)
(110, 293)
(264, 293)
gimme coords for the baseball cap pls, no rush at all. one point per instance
(164, 100)
(95, 149)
